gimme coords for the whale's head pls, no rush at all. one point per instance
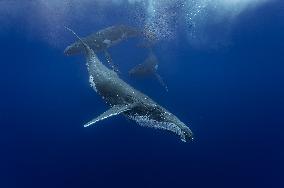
(159, 118)
(177, 126)
(186, 134)
(73, 49)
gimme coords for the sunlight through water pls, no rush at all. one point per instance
(159, 17)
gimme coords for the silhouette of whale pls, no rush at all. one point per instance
(148, 68)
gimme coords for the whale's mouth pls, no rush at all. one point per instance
(187, 136)
(145, 121)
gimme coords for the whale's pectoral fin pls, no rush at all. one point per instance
(109, 61)
(161, 81)
(113, 111)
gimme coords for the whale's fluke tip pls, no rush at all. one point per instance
(86, 46)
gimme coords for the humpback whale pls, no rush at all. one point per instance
(124, 99)
(148, 68)
(103, 39)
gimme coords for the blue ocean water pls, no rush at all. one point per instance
(231, 96)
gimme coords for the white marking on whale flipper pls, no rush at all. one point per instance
(107, 42)
(113, 111)
(156, 67)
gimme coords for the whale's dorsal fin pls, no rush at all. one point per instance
(113, 111)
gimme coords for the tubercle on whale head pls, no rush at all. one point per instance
(186, 134)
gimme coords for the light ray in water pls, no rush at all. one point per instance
(160, 16)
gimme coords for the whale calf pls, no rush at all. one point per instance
(148, 68)
(124, 99)
(103, 39)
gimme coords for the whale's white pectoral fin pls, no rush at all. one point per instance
(113, 111)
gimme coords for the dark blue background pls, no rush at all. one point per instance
(232, 99)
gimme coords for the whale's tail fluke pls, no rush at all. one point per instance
(87, 48)
(90, 54)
